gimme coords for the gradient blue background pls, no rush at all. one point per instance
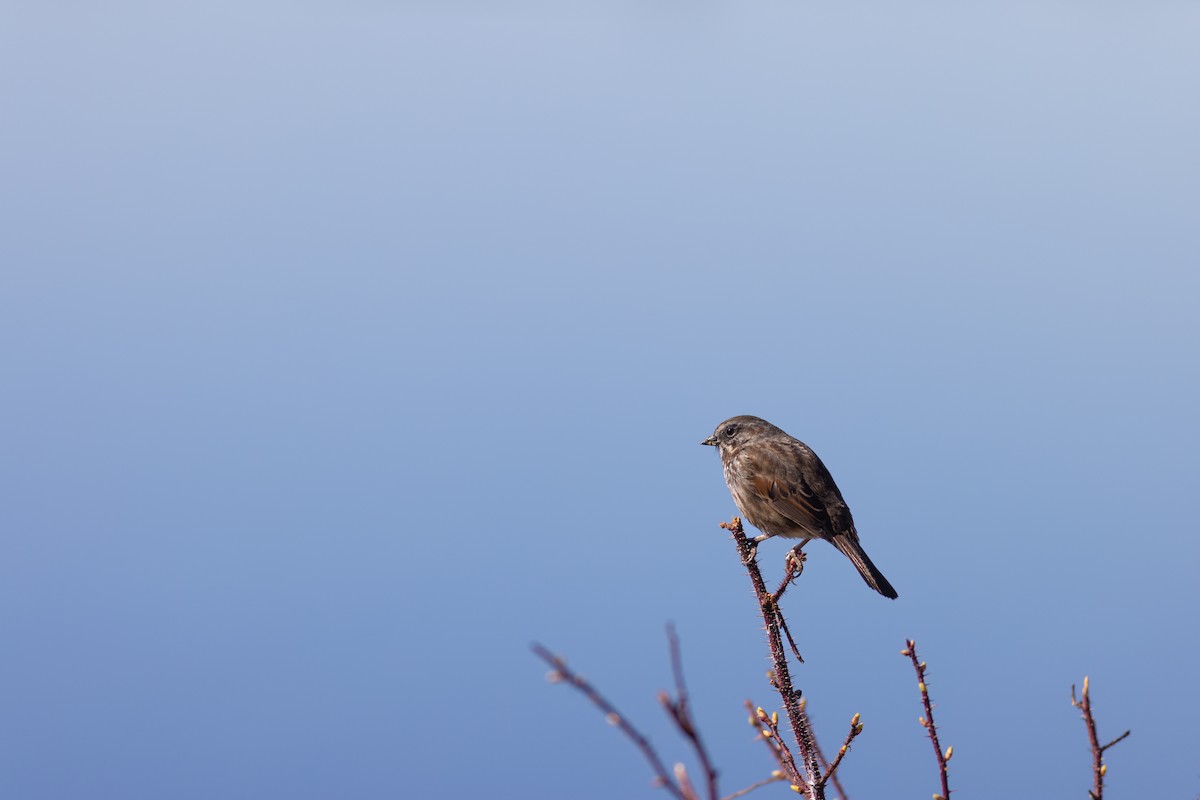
(348, 348)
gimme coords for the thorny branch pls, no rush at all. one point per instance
(855, 729)
(768, 730)
(812, 785)
(926, 721)
(560, 672)
(808, 781)
(680, 712)
(776, 777)
(678, 708)
(817, 771)
(1099, 768)
(837, 784)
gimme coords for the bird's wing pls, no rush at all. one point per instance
(801, 489)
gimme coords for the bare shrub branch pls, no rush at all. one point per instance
(910, 650)
(814, 771)
(560, 672)
(680, 712)
(811, 784)
(1099, 768)
(768, 730)
(833, 776)
(855, 729)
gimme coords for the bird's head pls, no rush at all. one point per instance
(737, 432)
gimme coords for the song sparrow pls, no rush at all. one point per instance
(783, 489)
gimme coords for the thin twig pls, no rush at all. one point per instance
(786, 632)
(910, 650)
(680, 712)
(837, 783)
(813, 787)
(685, 783)
(561, 672)
(1099, 768)
(740, 792)
(794, 563)
(768, 730)
(1114, 741)
(795, 567)
(855, 729)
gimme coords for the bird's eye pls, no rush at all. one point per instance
(730, 431)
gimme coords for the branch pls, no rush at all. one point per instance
(776, 777)
(927, 721)
(681, 714)
(768, 730)
(560, 672)
(1099, 768)
(855, 729)
(837, 784)
(813, 786)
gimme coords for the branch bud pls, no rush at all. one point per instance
(950, 752)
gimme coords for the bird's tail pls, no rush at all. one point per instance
(870, 573)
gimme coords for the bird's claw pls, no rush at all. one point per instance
(749, 552)
(793, 562)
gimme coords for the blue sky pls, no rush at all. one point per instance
(349, 348)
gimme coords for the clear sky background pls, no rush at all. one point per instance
(350, 347)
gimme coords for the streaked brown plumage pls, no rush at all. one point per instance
(783, 489)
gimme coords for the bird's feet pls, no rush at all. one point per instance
(749, 552)
(793, 562)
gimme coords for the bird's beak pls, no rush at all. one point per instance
(711, 441)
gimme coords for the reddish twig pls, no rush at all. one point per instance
(1099, 768)
(680, 712)
(813, 787)
(837, 783)
(561, 672)
(910, 650)
(768, 731)
(775, 778)
(786, 632)
(855, 729)
(795, 566)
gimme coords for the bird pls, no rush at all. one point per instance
(783, 489)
